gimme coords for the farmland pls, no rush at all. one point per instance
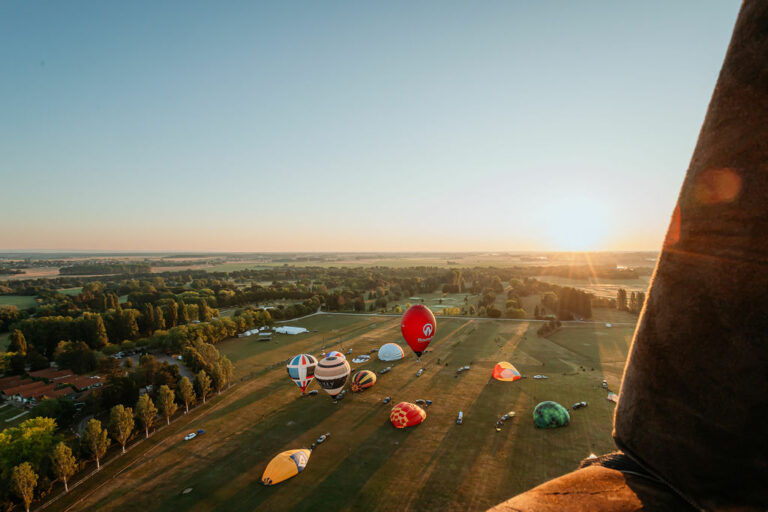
(367, 463)
(20, 301)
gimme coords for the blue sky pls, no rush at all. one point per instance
(326, 126)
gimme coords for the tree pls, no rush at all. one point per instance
(229, 370)
(149, 319)
(203, 384)
(159, 318)
(204, 313)
(186, 392)
(18, 342)
(24, 481)
(95, 439)
(218, 376)
(64, 463)
(121, 424)
(621, 299)
(146, 413)
(183, 313)
(166, 403)
(172, 315)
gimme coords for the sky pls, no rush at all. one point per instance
(350, 126)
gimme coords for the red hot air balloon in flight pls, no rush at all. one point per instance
(418, 327)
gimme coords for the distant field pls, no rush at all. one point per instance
(367, 464)
(20, 301)
(70, 291)
(601, 287)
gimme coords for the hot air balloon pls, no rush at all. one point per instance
(391, 352)
(301, 369)
(335, 353)
(406, 414)
(418, 327)
(285, 465)
(332, 373)
(363, 379)
(506, 372)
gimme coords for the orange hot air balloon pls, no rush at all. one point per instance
(506, 372)
(418, 327)
(406, 414)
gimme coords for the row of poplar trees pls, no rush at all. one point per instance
(123, 421)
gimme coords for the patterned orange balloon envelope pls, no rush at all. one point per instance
(506, 372)
(406, 414)
(363, 380)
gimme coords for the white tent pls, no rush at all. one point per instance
(290, 330)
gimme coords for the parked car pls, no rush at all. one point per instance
(190, 436)
(200, 431)
(312, 393)
(429, 402)
(387, 399)
(418, 373)
(385, 370)
(323, 437)
(507, 416)
(420, 401)
(605, 384)
(460, 418)
(579, 405)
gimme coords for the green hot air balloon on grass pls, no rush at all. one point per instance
(551, 415)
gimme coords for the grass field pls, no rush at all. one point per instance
(367, 463)
(5, 340)
(8, 411)
(20, 301)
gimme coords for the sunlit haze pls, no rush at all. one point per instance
(350, 126)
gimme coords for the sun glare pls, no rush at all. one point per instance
(577, 226)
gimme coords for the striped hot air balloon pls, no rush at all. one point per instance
(506, 372)
(301, 369)
(363, 379)
(332, 374)
(406, 414)
(335, 353)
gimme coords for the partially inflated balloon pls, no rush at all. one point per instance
(335, 353)
(285, 465)
(332, 373)
(363, 380)
(418, 327)
(406, 414)
(301, 370)
(506, 372)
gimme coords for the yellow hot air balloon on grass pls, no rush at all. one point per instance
(285, 465)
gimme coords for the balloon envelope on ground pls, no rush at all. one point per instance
(506, 372)
(301, 369)
(418, 327)
(391, 352)
(285, 465)
(406, 414)
(551, 415)
(332, 373)
(363, 379)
